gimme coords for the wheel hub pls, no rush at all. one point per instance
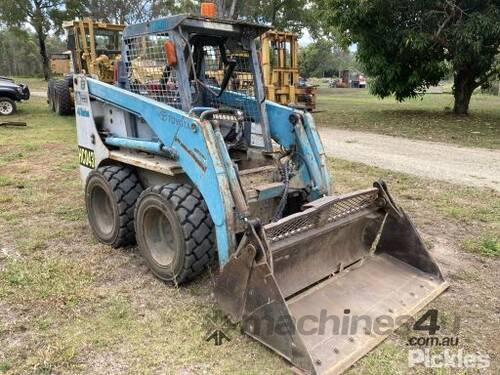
(103, 210)
(5, 108)
(159, 236)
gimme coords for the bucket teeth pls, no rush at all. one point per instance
(298, 285)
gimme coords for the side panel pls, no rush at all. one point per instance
(91, 149)
(194, 142)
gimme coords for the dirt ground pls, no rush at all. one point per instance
(71, 305)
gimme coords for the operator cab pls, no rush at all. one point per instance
(207, 67)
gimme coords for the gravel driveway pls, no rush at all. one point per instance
(462, 165)
(39, 94)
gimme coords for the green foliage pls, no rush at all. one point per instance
(323, 59)
(42, 15)
(127, 11)
(406, 46)
(290, 15)
(492, 88)
(487, 245)
(5, 366)
(20, 56)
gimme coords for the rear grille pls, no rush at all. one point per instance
(325, 210)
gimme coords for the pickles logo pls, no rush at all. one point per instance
(86, 157)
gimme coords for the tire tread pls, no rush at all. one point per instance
(196, 224)
(62, 96)
(127, 189)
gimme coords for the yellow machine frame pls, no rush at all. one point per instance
(85, 51)
(281, 70)
(84, 59)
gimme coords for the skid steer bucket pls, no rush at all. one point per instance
(324, 286)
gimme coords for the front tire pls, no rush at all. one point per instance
(110, 196)
(7, 106)
(174, 232)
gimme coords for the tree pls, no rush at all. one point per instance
(127, 11)
(407, 45)
(40, 14)
(291, 15)
(19, 56)
(324, 58)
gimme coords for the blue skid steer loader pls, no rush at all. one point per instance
(186, 157)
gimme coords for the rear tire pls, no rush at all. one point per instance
(174, 232)
(62, 98)
(7, 106)
(110, 196)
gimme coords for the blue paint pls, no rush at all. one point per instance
(308, 156)
(303, 135)
(176, 129)
(272, 191)
(82, 112)
(146, 145)
(152, 27)
(210, 167)
(318, 151)
(279, 124)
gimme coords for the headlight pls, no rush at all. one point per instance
(20, 89)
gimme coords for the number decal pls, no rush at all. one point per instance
(86, 157)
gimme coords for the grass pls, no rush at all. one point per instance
(5, 366)
(468, 208)
(5, 181)
(428, 118)
(382, 361)
(488, 245)
(70, 305)
(34, 83)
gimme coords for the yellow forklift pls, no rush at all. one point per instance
(94, 48)
(280, 68)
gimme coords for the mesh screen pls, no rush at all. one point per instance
(212, 70)
(336, 210)
(150, 75)
(148, 72)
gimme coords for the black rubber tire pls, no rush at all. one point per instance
(51, 95)
(7, 106)
(111, 193)
(62, 98)
(187, 227)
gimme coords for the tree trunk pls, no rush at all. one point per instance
(274, 12)
(463, 88)
(37, 22)
(43, 54)
(220, 8)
